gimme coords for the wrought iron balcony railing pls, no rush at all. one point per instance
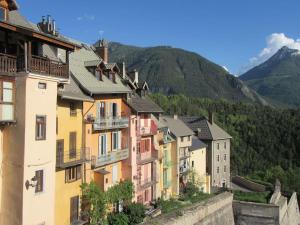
(111, 123)
(109, 158)
(72, 158)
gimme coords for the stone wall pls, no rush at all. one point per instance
(216, 211)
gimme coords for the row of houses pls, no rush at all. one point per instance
(70, 116)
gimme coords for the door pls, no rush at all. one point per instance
(114, 110)
(74, 206)
(59, 151)
(115, 174)
(102, 145)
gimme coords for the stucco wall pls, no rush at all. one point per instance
(216, 211)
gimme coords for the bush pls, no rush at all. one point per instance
(190, 189)
(135, 213)
(118, 219)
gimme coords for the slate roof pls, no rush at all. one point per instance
(93, 63)
(197, 144)
(176, 126)
(208, 131)
(87, 81)
(143, 104)
(73, 92)
(110, 66)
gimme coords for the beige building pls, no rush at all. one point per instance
(28, 147)
(198, 174)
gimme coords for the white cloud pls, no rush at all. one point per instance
(87, 17)
(274, 42)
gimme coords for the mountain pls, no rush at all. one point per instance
(176, 71)
(277, 79)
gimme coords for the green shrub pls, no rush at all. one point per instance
(118, 219)
(135, 213)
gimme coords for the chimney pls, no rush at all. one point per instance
(102, 50)
(175, 117)
(53, 27)
(43, 20)
(211, 117)
(136, 76)
(49, 24)
(123, 70)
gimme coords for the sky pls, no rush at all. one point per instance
(236, 34)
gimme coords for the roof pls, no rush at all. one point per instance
(87, 81)
(197, 144)
(143, 104)
(72, 91)
(176, 126)
(111, 66)
(208, 131)
(93, 63)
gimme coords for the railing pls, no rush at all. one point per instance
(73, 157)
(148, 182)
(111, 157)
(44, 66)
(8, 63)
(111, 123)
(147, 130)
(146, 157)
(184, 154)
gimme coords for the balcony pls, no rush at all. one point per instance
(147, 130)
(184, 154)
(11, 64)
(146, 157)
(74, 157)
(146, 183)
(109, 158)
(111, 123)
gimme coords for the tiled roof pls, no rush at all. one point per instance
(143, 104)
(176, 126)
(72, 91)
(197, 144)
(87, 81)
(208, 131)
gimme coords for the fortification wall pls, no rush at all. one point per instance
(217, 211)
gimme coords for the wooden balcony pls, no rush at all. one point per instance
(72, 158)
(10, 65)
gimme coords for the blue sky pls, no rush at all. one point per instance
(228, 32)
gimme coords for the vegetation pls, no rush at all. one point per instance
(135, 213)
(96, 202)
(171, 71)
(278, 78)
(266, 141)
(259, 197)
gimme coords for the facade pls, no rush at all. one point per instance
(198, 165)
(28, 148)
(183, 136)
(141, 168)
(167, 167)
(218, 150)
(71, 153)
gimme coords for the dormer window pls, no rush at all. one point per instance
(110, 76)
(97, 74)
(2, 14)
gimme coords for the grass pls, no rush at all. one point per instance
(259, 197)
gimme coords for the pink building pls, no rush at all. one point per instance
(141, 165)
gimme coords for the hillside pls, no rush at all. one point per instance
(171, 71)
(277, 79)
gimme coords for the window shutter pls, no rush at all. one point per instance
(105, 144)
(98, 106)
(99, 145)
(72, 144)
(74, 204)
(67, 175)
(78, 170)
(115, 173)
(119, 140)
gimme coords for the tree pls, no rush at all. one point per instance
(118, 219)
(135, 213)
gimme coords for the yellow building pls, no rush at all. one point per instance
(198, 165)
(71, 153)
(167, 167)
(106, 129)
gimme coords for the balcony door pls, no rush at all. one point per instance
(114, 110)
(102, 144)
(100, 110)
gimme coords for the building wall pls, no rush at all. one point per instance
(223, 176)
(64, 191)
(198, 159)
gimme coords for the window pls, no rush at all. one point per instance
(39, 176)
(42, 85)
(225, 145)
(218, 146)
(182, 139)
(115, 173)
(189, 138)
(40, 128)
(2, 14)
(225, 169)
(7, 94)
(218, 158)
(115, 140)
(72, 145)
(7, 99)
(73, 111)
(225, 157)
(192, 163)
(218, 169)
(60, 151)
(102, 145)
(73, 174)
(146, 195)
(74, 206)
